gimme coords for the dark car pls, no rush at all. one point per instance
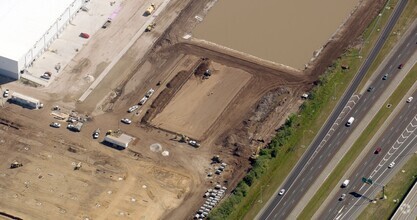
(400, 66)
(371, 88)
(377, 150)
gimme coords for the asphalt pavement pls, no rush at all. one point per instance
(325, 145)
(398, 142)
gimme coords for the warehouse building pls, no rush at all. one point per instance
(28, 29)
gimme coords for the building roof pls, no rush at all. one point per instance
(122, 140)
(23, 22)
(24, 97)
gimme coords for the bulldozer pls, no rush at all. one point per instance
(150, 27)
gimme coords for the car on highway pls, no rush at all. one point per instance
(55, 125)
(126, 121)
(371, 88)
(281, 192)
(377, 150)
(6, 93)
(391, 165)
(342, 197)
(385, 77)
(400, 66)
(409, 99)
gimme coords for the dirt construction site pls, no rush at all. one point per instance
(211, 109)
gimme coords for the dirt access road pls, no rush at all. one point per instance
(141, 183)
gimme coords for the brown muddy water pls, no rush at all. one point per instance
(282, 31)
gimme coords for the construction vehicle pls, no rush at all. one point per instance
(15, 165)
(150, 27)
(149, 10)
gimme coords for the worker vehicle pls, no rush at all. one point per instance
(84, 35)
(75, 127)
(55, 125)
(6, 93)
(345, 183)
(96, 133)
(281, 192)
(150, 9)
(410, 99)
(46, 75)
(143, 100)
(126, 121)
(350, 121)
(150, 27)
(149, 93)
(133, 108)
(342, 197)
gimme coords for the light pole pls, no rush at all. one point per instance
(303, 146)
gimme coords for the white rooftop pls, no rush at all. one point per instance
(23, 22)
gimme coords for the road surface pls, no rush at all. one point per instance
(302, 176)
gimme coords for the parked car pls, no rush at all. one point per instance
(281, 192)
(342, 197)
(377, 150)
(55, 125)
(400, 66)
(6, 93)
(409, 99)
(143, 100)
(149, 93)
(85, 35)
(126, 121)
(391, 165)
(96, 133)
(133, 108)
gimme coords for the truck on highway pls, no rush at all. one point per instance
(345, 183)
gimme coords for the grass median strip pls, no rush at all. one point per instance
(357, 147)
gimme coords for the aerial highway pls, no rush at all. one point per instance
(393, 147)
(319, 153)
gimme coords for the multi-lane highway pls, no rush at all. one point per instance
(397, 142)
(333, 133)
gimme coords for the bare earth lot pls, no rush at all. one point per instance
(232, 113)
(199, 102)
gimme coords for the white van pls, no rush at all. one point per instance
(345, 183)
(350, 121)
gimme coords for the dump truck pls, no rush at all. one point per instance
(150, 9)
(150, 27)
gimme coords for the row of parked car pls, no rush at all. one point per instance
(141, 102)
(213, 197)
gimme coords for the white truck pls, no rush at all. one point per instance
(350, 121)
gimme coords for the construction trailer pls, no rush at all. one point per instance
(119, 142)
(25, 101)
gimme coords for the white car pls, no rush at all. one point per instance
(281, 192)
(391, 164)
(149, 93)
(143, 100)
(133, 108)
(55, 125)
(6, 93)
(126, 121)
(410, 99)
